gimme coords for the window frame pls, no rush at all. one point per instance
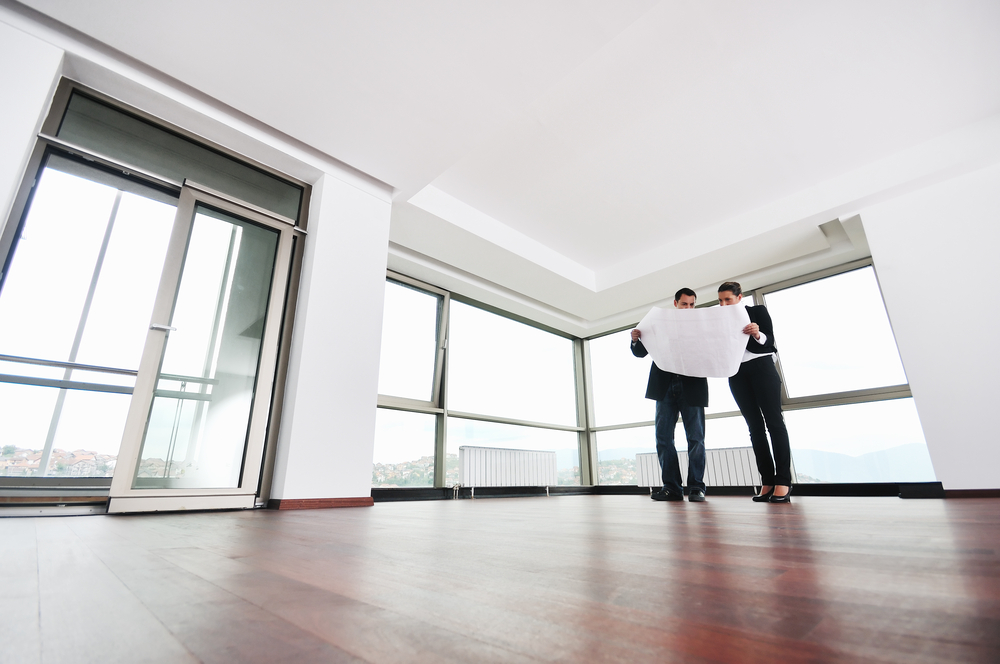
(435, 404)
(60, 101)
(901, 391)
(438, 405)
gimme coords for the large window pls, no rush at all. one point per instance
(404, 449)
(615, 376)
(875, 441)
(615, 372)
(848, 408)
(509, 385)
(616, 450)
(835, 335)
(80, 289)
(498, 366)
(457, 375)
(409, 342)
(477, 433)
(409, 383)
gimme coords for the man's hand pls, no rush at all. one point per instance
(635, 335)
(752, 329)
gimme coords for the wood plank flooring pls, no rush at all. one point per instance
(561, 579)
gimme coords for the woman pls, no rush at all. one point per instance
(757, 390)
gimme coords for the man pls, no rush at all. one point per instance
(684, 395)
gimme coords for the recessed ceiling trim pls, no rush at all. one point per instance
(968, 148)
(447, 207)
(447, 276)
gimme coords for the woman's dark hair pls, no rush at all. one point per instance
(731, 286)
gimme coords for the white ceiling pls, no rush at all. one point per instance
(576, 161)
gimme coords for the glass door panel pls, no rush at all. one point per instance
(75, 304)
(200, 415)
(194, 434)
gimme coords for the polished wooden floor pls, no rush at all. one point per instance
(561, 579)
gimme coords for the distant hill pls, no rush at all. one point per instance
(622, 453)
(567, 459)
(905, 463)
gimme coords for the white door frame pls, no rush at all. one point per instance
(125, 498)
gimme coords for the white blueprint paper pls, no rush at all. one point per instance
(707, 342)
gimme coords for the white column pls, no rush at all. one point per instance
(29, 72)
(327, 434)
(935, 251)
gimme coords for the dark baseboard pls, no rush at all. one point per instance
(854, 490)
(414, 493)
(972, 493)
(870, 489)
(632, 490)
(388, 495)
(730, 491)
(619, 490)
(921, 490)
(318, 503)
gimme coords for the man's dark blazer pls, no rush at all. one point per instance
(760, 316)
(695, 389)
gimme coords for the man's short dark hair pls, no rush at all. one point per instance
(731, 286)
(684, 291)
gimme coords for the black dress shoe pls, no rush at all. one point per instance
(696, 496)
(763, 497)
(787, 498)
(667, 495)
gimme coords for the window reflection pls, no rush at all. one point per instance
(833, 335)
(501, 368)
(866, 442)
(83, 278)
(720, 397)
(198, 423)
(409, 342)
(619, 381)
(616, 452)
(497, 366)
(404, 449)
(508, 436)
(725, 432)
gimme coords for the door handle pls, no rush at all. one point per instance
(162, 328)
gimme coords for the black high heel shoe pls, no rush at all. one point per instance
(763, 497)
(787, 498)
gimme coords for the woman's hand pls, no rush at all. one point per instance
(752, 329)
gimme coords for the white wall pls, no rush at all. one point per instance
(29, 71)
(936, 254)
(326, 442)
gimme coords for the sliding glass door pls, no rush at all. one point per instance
(197, 421)
(138, 339)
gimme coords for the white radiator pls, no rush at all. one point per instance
(495, 466)
(732, 466)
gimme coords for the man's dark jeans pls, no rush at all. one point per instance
(667, 410)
